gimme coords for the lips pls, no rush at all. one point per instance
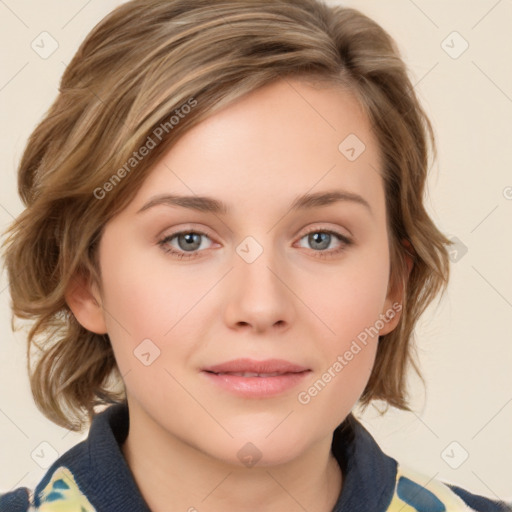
(249, 378)
(251, 368)
(250, 374)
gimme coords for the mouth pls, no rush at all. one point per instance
(267, 367)
(252, 374)
(256, 379)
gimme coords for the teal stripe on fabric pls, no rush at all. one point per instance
(418, 497)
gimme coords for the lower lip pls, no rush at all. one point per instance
(257, 387)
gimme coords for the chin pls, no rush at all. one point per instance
(257, 449)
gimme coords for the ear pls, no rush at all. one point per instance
(85, 302)
(393, 305)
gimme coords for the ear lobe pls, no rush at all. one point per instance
(395, 298)
(85, 302)
(408, 256)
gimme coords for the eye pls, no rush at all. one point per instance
(188, 243)
(321, 239)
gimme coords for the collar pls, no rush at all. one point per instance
(97, 468)
(368, 474)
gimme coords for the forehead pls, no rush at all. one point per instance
(285, 139)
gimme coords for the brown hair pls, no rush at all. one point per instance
(134, 73)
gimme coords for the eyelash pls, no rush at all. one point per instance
(163, 243)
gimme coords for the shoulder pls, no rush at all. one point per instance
(480, 503)
(379, 482)
(15, 501)
(61, 493)
(418, 492)
(83, 474)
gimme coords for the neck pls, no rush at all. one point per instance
(170, 472)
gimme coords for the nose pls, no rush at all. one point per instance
(259, 295)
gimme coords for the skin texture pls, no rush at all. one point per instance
(256, 155)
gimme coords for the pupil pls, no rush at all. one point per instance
(317, 238)
(191, 238)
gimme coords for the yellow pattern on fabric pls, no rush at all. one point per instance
(451, 501)
(62, 494)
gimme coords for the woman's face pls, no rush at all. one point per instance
(287, 260)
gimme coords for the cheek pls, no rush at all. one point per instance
(138, 293)
(332, 394)
(351, 308)
(351, 298)
(147, 298)
(350, 302)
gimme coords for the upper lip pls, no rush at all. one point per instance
(254, 366)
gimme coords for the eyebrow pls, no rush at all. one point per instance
(211, 205)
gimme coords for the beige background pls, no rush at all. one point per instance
(465, 342)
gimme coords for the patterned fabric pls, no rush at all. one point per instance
(415, 493)
(62, 494)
